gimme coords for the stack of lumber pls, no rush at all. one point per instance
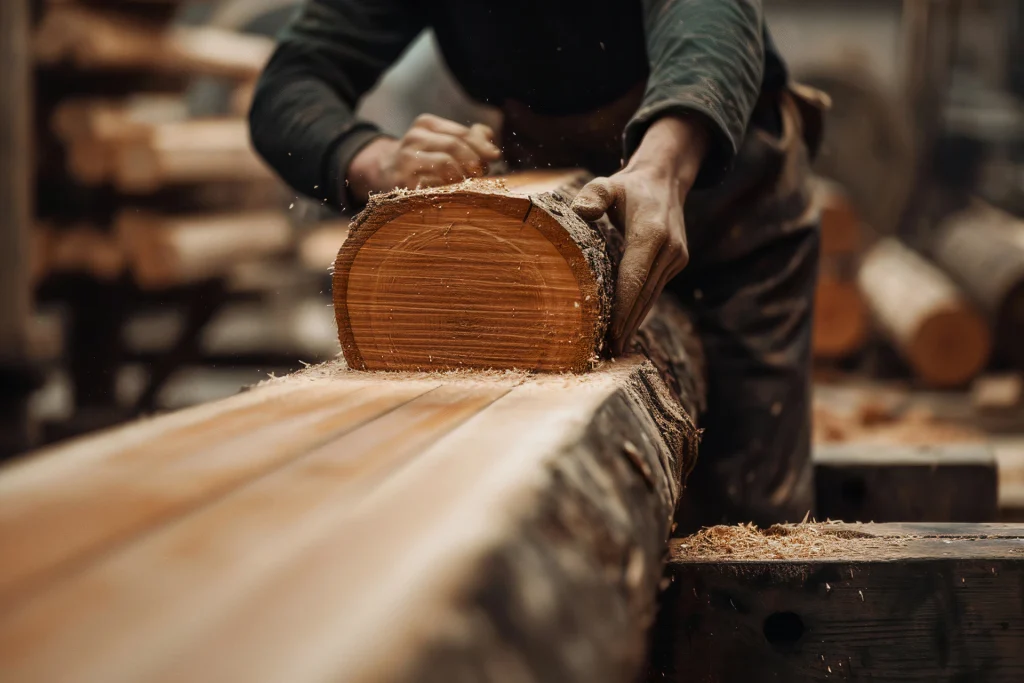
(490, 524)
(841, 323)
(145, 144)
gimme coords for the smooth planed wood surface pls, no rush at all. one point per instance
(872, 602)
(359, 526)
(492, 273)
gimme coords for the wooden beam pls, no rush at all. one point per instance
(167, 250)
(186, 152)
(365, 526)
(106, 39)
(874, 482)
(924, 315)
(844, 602)
(493, 273)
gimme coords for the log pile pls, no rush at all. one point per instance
(145, 144)
(515, 521)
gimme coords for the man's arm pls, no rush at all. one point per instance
(302, 118)
(707, 62)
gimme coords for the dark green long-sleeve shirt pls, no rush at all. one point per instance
(708, 57)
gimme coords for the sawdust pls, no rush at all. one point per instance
(876, 422)
(779, 542)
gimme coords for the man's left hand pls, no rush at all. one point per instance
(645, 202)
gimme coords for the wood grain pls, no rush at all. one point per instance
(493, 274)
(374, 527)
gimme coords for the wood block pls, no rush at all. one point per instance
(902, 483)
(873, 602)
(358, 526)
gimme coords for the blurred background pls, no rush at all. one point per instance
(151, 261)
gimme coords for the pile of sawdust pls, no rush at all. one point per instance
(877, 423)
(779, 542)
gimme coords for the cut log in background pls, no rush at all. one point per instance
(841, 323)
(924, 315)
(493, 273)
(169, 250)
(983, 249)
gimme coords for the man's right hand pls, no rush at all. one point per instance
(434, 151)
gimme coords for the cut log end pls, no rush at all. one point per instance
(484, 274)
(950, 347)
(840, 318)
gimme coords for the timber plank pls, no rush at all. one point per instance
(88, 497)
(501, 524)
(893, 602)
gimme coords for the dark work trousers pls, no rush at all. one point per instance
(753, 244)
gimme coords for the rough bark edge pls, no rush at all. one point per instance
(582, 245)
(595, 542)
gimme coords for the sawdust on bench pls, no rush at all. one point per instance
(779, 542)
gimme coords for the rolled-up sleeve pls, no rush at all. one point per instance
(302, 119)
(707, 59)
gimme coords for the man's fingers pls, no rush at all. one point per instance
(595, 200)
(479, 137)
(457, 148)
(439, 167)
(634, 269)
(666, 266)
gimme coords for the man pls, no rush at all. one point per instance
(678, 103)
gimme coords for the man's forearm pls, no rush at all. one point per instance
(706, 59)
(672, 149)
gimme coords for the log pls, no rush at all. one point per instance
(825, 602)
(169, 250)
(492, 273)
(896, 483)
(983, 249)
(359, 526)
(187, 152)
(94, 38)
(841, 230)
(841, 321)
(81, 249)
(112, 120)
(936, 329)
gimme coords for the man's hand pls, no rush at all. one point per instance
(434, 151)
(645, 201)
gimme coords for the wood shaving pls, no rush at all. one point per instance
(778, 542)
